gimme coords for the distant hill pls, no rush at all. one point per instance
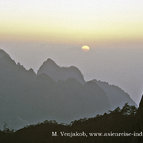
(53, 94)
(115, 94)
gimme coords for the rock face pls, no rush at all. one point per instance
(55, 93)
(58, 73)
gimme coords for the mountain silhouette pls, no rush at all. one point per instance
(58, 73)
(55, 93)
(117, 126)
(115, 94)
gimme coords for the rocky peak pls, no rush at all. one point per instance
(50, 68)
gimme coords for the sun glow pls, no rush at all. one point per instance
(85, 48)
(67, 21)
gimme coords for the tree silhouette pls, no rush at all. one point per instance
(127, 119)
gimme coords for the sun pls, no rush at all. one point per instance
(85, 48)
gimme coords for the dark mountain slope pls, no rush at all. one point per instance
(106, 128)
(116, 95)
(27, 98)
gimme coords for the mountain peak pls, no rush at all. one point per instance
(49, 63)
(3, 53)
(49, 60)
(50, 68)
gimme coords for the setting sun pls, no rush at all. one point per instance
(85, 48)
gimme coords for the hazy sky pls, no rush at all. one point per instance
(33, 30)
(71, 20)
